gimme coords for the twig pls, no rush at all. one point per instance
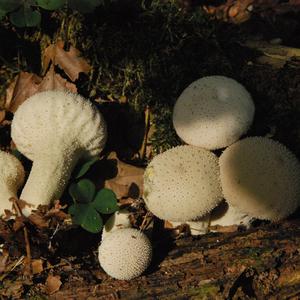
(28, 270)
(147, 128)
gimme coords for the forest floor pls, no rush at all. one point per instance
(133, 62)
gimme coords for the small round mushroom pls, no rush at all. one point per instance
(11, 179)
(125, 253)
(182, 184)
(55, 129)
(213, 112)
(119, 220)
(261, 177)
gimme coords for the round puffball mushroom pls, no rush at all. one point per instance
(11, 179)
(55, 129)
(213, 112)
(261, 178)
(119, 220)
(125, 253)
(182, 183)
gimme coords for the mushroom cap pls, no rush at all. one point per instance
(11, 178)
(261, 178)
(213, 112)
(11, 170)
(125, 253)
(58, 119)
(182, 183)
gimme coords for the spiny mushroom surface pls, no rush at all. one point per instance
(213, 112)
(125, 253)
(261, 178)
(182, 183)
(55, 129)
(11, 179)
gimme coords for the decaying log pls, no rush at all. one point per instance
(262, 263)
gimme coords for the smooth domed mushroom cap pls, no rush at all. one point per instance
(213, 112)
(182, 183)
(125, 253)
(11, 178)
(261, 178)
(58, 119)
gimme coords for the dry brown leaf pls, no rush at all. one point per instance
(53, 284)
(69, 61)
(24, 86)
(2, 116)
(37, 266)
(53, 81)
(3, 261)
(128, 182)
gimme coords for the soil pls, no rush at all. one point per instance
(259, 263)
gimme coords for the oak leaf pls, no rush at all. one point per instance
(69, 61)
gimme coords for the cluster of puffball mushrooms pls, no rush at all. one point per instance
(259, 178)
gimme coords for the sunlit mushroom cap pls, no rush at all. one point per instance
(182, 183)
(261, 177)
(213, 112)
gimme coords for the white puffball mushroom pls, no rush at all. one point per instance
(182, 183)
(261, 178)
(125, 253)
(227, 215)
(55, 129)
(213, 112)
(119, 220)
(11, 179)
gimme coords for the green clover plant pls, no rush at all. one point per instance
(89, 205)
(27, 13)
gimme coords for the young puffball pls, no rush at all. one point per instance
(55, 129)
(213, 112)
(182, 184)
(261, 178)
(11, 179)
(125, 253)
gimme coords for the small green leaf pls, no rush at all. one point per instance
(25, 16)
(85, 167)
(106, 202)
(86, 6)
(51, 4)
(9, 5)
(86, 216)
(82, 191)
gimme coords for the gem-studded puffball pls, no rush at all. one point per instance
(182, 183)
(125, 253)
(213, 112)
(55, 129)
(11, 178)
(261, 178)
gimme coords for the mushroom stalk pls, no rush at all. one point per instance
(49, 177)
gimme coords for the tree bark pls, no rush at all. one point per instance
(261, 263)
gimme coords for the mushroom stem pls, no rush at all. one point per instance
(49, 177)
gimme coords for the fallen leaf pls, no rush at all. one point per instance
(53, 284)
(24, 86)
(128, 182)
(3, 261)
(37, 266)
(53, 81)
(2, 116)
(69, 61)
(39, 220)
